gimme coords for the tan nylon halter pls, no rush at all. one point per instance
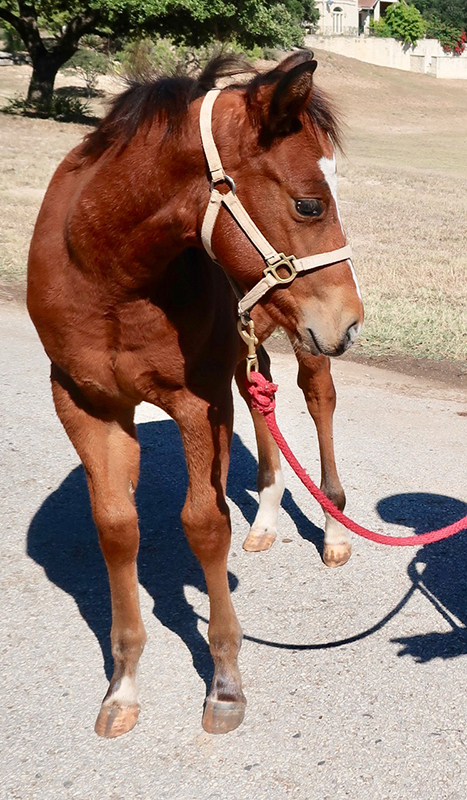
(273, 259)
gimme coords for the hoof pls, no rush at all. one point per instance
(256, 541)
(116, 720)
(335, 555)
(221, 716)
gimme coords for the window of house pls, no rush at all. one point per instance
(337, 20)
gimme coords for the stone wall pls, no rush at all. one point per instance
(426, 56)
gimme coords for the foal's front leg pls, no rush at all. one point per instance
(315, 380)
(271, 485)
(206, 429)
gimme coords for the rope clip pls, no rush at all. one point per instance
(251, 341)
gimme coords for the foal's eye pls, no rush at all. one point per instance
(309, 207)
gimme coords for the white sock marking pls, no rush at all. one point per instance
(269, 502)
(335, 532)
(126, 692)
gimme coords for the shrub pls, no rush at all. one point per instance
(87, 64)
(379, 27)
(11, 38)
(67, 108)
(405, 22)
(62, 107)
(140, 56)
(451, 39)
(272, 54)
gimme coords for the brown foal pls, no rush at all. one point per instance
(129, 309)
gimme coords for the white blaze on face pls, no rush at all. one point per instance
(329, 170)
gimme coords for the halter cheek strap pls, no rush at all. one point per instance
(274, 261)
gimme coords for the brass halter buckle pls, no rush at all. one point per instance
(249, 337)
(287, 263)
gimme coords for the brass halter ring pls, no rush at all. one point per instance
(284, 261)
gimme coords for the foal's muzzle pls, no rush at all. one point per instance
(346, 341)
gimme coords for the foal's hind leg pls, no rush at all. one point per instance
(315, 380)
(206, 430)
(108, 448)
(270, 480)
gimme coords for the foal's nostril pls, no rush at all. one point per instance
(321, 347)
(352, 333)
(315, 342)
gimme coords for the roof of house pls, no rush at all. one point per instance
(365, 5)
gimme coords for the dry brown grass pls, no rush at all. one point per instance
(30, 151)
(403, 190)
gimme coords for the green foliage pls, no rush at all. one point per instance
(62, 107)
(260, 22)
(249, 22)
(11, 38)
(87, 64)
(379, 27)
(272, 54)
(67, 108)
(141, 56)
(404, 22)
(165, 57)
(452, 39)
(453, 13)
(186, 23)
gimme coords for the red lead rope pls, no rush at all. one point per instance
(262, 394)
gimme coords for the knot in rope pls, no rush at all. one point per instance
(262, 393)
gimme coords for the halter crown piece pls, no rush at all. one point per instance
(230, 201)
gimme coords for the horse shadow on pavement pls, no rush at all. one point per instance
(438, 571)
(63, 540)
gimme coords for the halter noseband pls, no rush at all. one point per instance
(273, 259)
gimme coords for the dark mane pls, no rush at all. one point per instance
(323, 114)
(168, 98)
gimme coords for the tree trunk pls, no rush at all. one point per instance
(45, 63)
(44, 71)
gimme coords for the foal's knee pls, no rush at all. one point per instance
(128, 643)
(207, 529)
(117, 525)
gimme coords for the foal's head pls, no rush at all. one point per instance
(276, 137)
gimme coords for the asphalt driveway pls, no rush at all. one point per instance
(355, 677)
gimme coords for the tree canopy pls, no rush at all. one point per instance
(451, 12)
(264, 22)
(191, 22)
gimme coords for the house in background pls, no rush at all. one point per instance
(371, 9)
(344, 26)
(349, 17)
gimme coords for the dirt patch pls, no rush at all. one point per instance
(451, 374)
(13, 293)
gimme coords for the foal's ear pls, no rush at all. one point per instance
(289, 99)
